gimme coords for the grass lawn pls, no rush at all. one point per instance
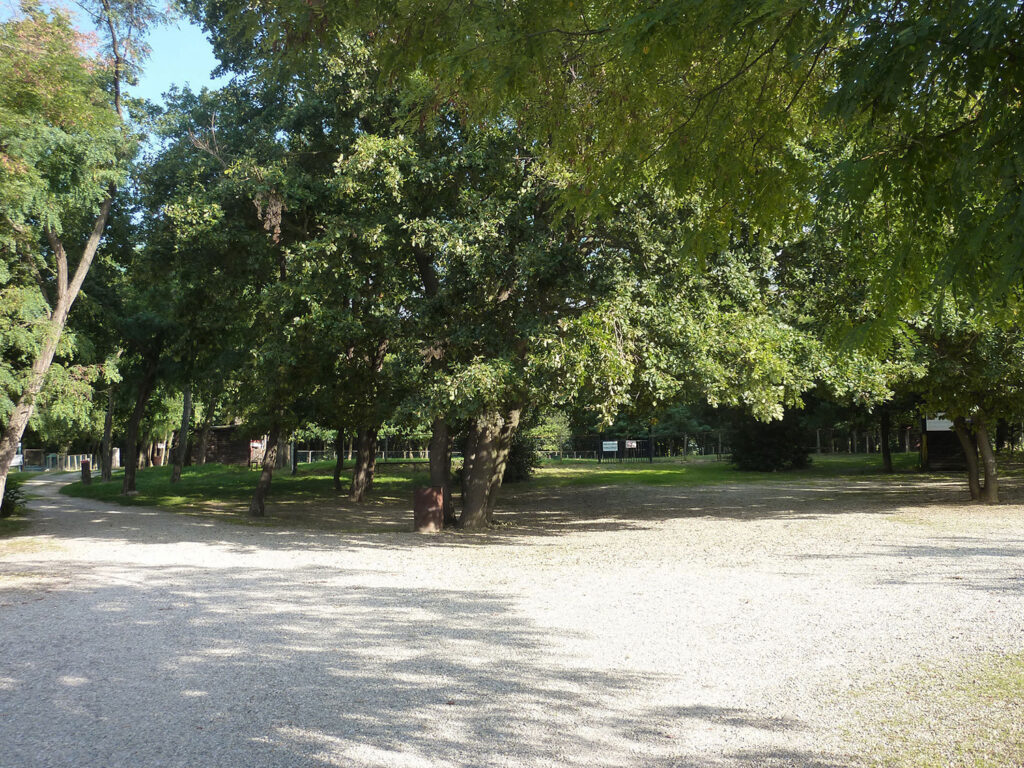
(707, 471)
(219, 489)
(215, 487)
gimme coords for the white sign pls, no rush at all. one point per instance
(610, 446)
(938, 425)
(631, 443)
(18, 460)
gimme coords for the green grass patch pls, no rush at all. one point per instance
(215, 486)
(707, 471)
(12, 526)
(967, 716)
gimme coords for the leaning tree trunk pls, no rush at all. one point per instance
(257, 506)
(487, 451)
(440, 452)
(182, 446)
(131, 437)
(990, 493)
(885, 429)
(107, 445)
(68, 287)
(366, 462)
(971, 454)
(339, 459)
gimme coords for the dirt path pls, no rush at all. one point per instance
(608, 627)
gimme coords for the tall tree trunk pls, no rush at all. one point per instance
(131, 437)
(257, 506)
(282, 452)
(886, 428)
(990, 493)
(1002, 434)
(339, 459)
(440, 452)
(970, 453)
(209, 413)
(487, 452)
(366, 462)
(107, 445)
(182, 446)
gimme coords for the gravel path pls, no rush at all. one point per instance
(658, 627)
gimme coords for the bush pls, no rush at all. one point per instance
(14, 496)
(770, 446)
(523, 459)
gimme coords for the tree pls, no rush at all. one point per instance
(64, 151)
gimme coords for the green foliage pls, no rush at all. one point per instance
(770, 446)
(523, 459)
(14, 496)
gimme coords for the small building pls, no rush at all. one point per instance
(230, 444)
(940, 447)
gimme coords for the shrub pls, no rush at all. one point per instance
(14, 496)
(770, 446)
(523, 459)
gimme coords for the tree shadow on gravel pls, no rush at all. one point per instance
(524, 514)
(964, 561)
(191, 667)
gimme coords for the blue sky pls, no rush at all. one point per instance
(181, 55)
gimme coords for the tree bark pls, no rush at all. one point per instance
(131, 437)
(990, 493)
(366, 461)
(440, 452)
(339, 459)
(886, 428)
(257, 506)
(107, 445)
(504, 445)
(970, 453)
(486, 454)
(182, 446)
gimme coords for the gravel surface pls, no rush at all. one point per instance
(732, 626)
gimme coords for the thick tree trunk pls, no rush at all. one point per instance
(107, 445)
(339, 459)
(504, 445)
(257, 506)
(182, 446)
(131, 437)
(971, 454)
(990, 493)
(486, 454)
(366, 462)
(886, 429)
(440, 452)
